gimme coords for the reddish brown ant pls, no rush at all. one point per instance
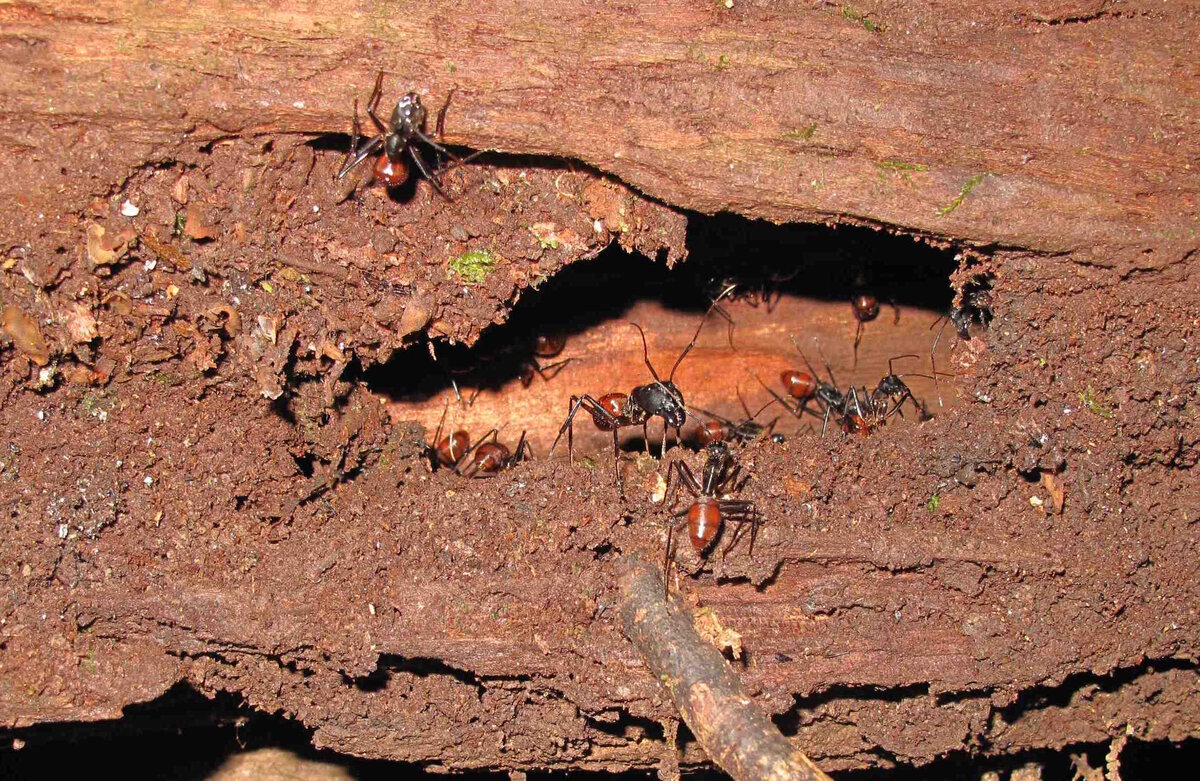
(806, 386)
(722, 429)
(707, 513)
(397, 136)
(448, 451)
(659, 399)
(493, 457)
(866, 309)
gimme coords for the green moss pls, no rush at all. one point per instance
(933, 503)
(900, 165)
(473, 266)
(804, 133)
(1089, 400)
(857, 16)
(962, 194)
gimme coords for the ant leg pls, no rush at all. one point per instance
(895, 309)
(355, 157)
(524, 451)
(549, 371)
(492, 434)
(857, 338)
(646, 434)
(574, 404)
(416, 158)
(376, 94)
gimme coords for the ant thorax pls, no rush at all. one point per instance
(660, 399)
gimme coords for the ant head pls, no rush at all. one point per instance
(408, 117)
(716, 450)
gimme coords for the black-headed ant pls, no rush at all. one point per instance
(658, 399)
(708, 512)
(397, 136)
(866, 309)
(894, 391)
(976, 307)
(493, 457)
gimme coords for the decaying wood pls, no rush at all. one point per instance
(734, 732)
(1063, 128)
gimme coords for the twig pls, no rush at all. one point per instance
(734, 732)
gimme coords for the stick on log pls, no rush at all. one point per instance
(734, 732)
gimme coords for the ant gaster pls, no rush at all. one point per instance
(708, 512)
(397, 136)
(450, 450)
(614, 411)
(493, 457)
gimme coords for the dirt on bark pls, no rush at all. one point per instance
(221, 370)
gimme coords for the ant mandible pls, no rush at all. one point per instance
(707, 512)
(493, 457)
(658, 399)
(396, 137)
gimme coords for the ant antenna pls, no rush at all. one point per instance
(646, 354)
(712, 307)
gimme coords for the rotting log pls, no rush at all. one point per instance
(1063, 128)
(915, 595)
(738, 736)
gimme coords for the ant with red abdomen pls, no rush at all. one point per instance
(397, 136)
(707, 513)
(494, 457)
(866, 309)
(658, 399)
(722, 429)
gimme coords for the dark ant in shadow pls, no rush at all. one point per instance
(722, 429)
(707, 513)
(765, 291)
(494, 457)
(658, 399)
(546, 345)
(397, 136)
(976, 307)
(541, 346)
(866, 309)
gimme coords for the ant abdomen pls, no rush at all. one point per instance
(451, 449)
(799, 385)
(549, 345)
(704, 521)
(390, 173)
(614, 404)
(491, 457)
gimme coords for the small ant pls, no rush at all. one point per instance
(398, 136)
(707, 512)
(493, 457)
(722, 429)
(614, 411)
(805, 386)
(866, 309)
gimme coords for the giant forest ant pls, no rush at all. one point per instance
(397, 136)
(708, 512)
(658, 399)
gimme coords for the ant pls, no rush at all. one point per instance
(398, 136)
(722, 429)
(658, 399)
(866, 309)
(451, 450)
(707, 512)
(893, 390)
(976, 306)
(544, 346)
(493, 457)
(806, 386)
